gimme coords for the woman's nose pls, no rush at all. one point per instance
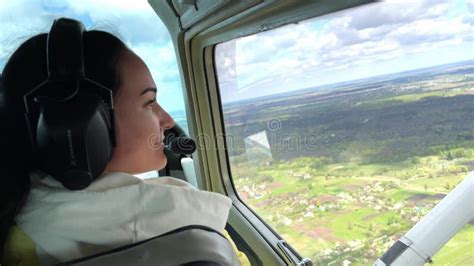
(166, 121)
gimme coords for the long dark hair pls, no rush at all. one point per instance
(25, 69)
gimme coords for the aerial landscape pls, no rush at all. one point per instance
(341, 171)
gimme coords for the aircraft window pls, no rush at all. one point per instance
(134, 22)
(343, 131)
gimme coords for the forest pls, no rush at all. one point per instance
(342, 171)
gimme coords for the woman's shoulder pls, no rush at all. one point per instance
(168, 180)
(19, 249)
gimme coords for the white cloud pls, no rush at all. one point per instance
(20, 20)
(344, 41)
(105, 6)
(134, 21)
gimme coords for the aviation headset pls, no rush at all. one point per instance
(70, 118)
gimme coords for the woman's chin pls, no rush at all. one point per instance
(161, 162)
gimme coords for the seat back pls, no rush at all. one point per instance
(191, 245)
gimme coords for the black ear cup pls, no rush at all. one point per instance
(73, 140)
(74, 135)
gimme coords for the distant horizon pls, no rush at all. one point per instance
(466, 62)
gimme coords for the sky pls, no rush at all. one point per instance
(371, 40)
(366, 41)
(134, 22)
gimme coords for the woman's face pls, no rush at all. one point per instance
(139, 120)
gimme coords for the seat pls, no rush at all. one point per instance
(190, 245)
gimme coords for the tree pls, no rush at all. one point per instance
(416, 160)
(447, 186)
(450, 156)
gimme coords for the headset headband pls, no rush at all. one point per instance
(65, 52)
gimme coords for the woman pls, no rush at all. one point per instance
(44, 223)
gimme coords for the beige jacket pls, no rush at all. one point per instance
(115, 210)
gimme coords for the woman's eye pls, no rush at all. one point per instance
(150, 102)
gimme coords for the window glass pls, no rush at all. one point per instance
(345, 130)
(134, 22)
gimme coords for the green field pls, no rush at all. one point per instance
(333, 211)
(459, 250)
(382, 157)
